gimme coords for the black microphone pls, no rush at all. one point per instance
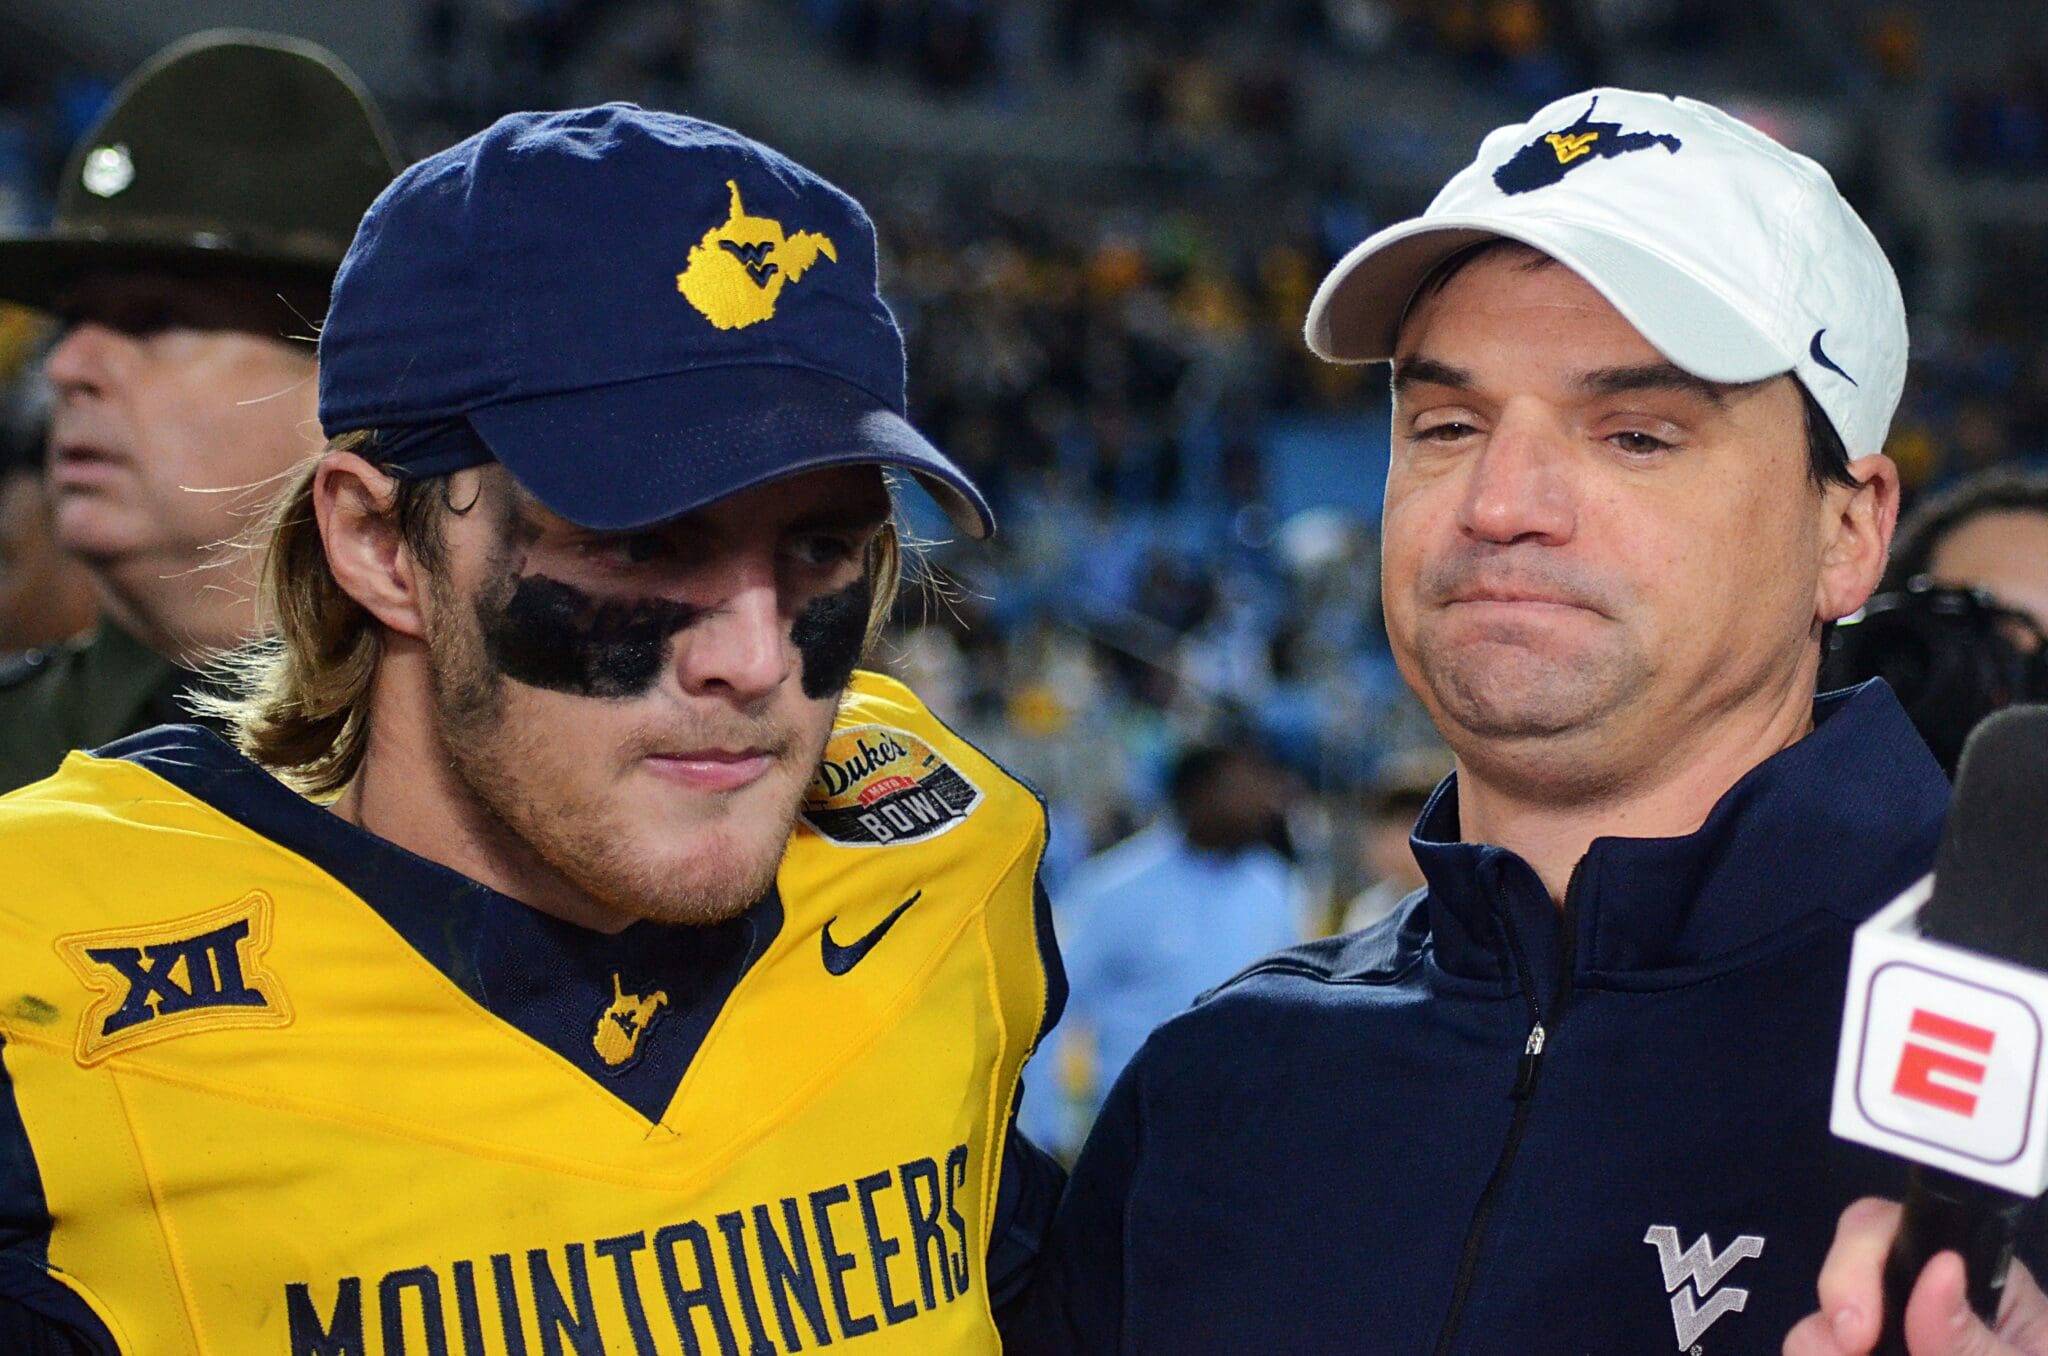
(1942, 1033)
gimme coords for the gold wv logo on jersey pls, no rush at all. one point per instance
(736, 273)
(1570, 147)
(620, 1026)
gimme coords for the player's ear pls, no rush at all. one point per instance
(356, 506)
(1856, 532)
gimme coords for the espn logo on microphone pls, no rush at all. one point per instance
(1948, 1062)
(1936, 1066)
(1940, 1060)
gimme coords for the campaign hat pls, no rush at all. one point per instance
(228, 153)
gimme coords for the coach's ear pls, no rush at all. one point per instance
(1856, 533)
(355, 505)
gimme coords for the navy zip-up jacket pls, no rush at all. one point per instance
(1485, 1125)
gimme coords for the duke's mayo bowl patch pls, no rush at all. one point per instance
(880, 786)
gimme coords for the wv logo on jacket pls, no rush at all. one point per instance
(1692, 1277)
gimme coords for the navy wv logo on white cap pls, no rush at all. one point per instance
(1547, 159)
(1733, 256)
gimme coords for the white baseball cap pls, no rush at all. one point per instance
(1735, 258)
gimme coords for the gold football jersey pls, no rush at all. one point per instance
(274, 1085)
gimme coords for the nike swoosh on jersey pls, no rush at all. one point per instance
(839, 959)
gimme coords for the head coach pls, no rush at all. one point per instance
(197, 230)
(1573, 1095)
(579, 953)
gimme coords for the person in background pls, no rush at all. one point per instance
(197, 232)
(1387, 859)
(1155, 920)
(46, 596)
(1989, 532)
(1960, 627)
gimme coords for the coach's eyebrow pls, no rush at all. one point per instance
(1653, 377)
(1429, 372)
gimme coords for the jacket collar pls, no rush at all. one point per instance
(1838, 823)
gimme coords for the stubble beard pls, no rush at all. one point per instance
(501, 769)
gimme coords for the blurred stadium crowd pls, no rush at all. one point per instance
(1104, 320)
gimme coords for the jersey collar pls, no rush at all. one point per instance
(554, 981)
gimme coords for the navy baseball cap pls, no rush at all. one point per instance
(636, 313)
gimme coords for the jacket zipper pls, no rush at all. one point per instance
(1524, 1088)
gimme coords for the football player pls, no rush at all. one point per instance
(579, 953)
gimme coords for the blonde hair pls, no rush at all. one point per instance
(298, 700)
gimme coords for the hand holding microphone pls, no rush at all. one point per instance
(1937, 1319)
(1942, 1064)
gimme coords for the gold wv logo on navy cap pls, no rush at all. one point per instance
(736, 273)
(635, 312)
